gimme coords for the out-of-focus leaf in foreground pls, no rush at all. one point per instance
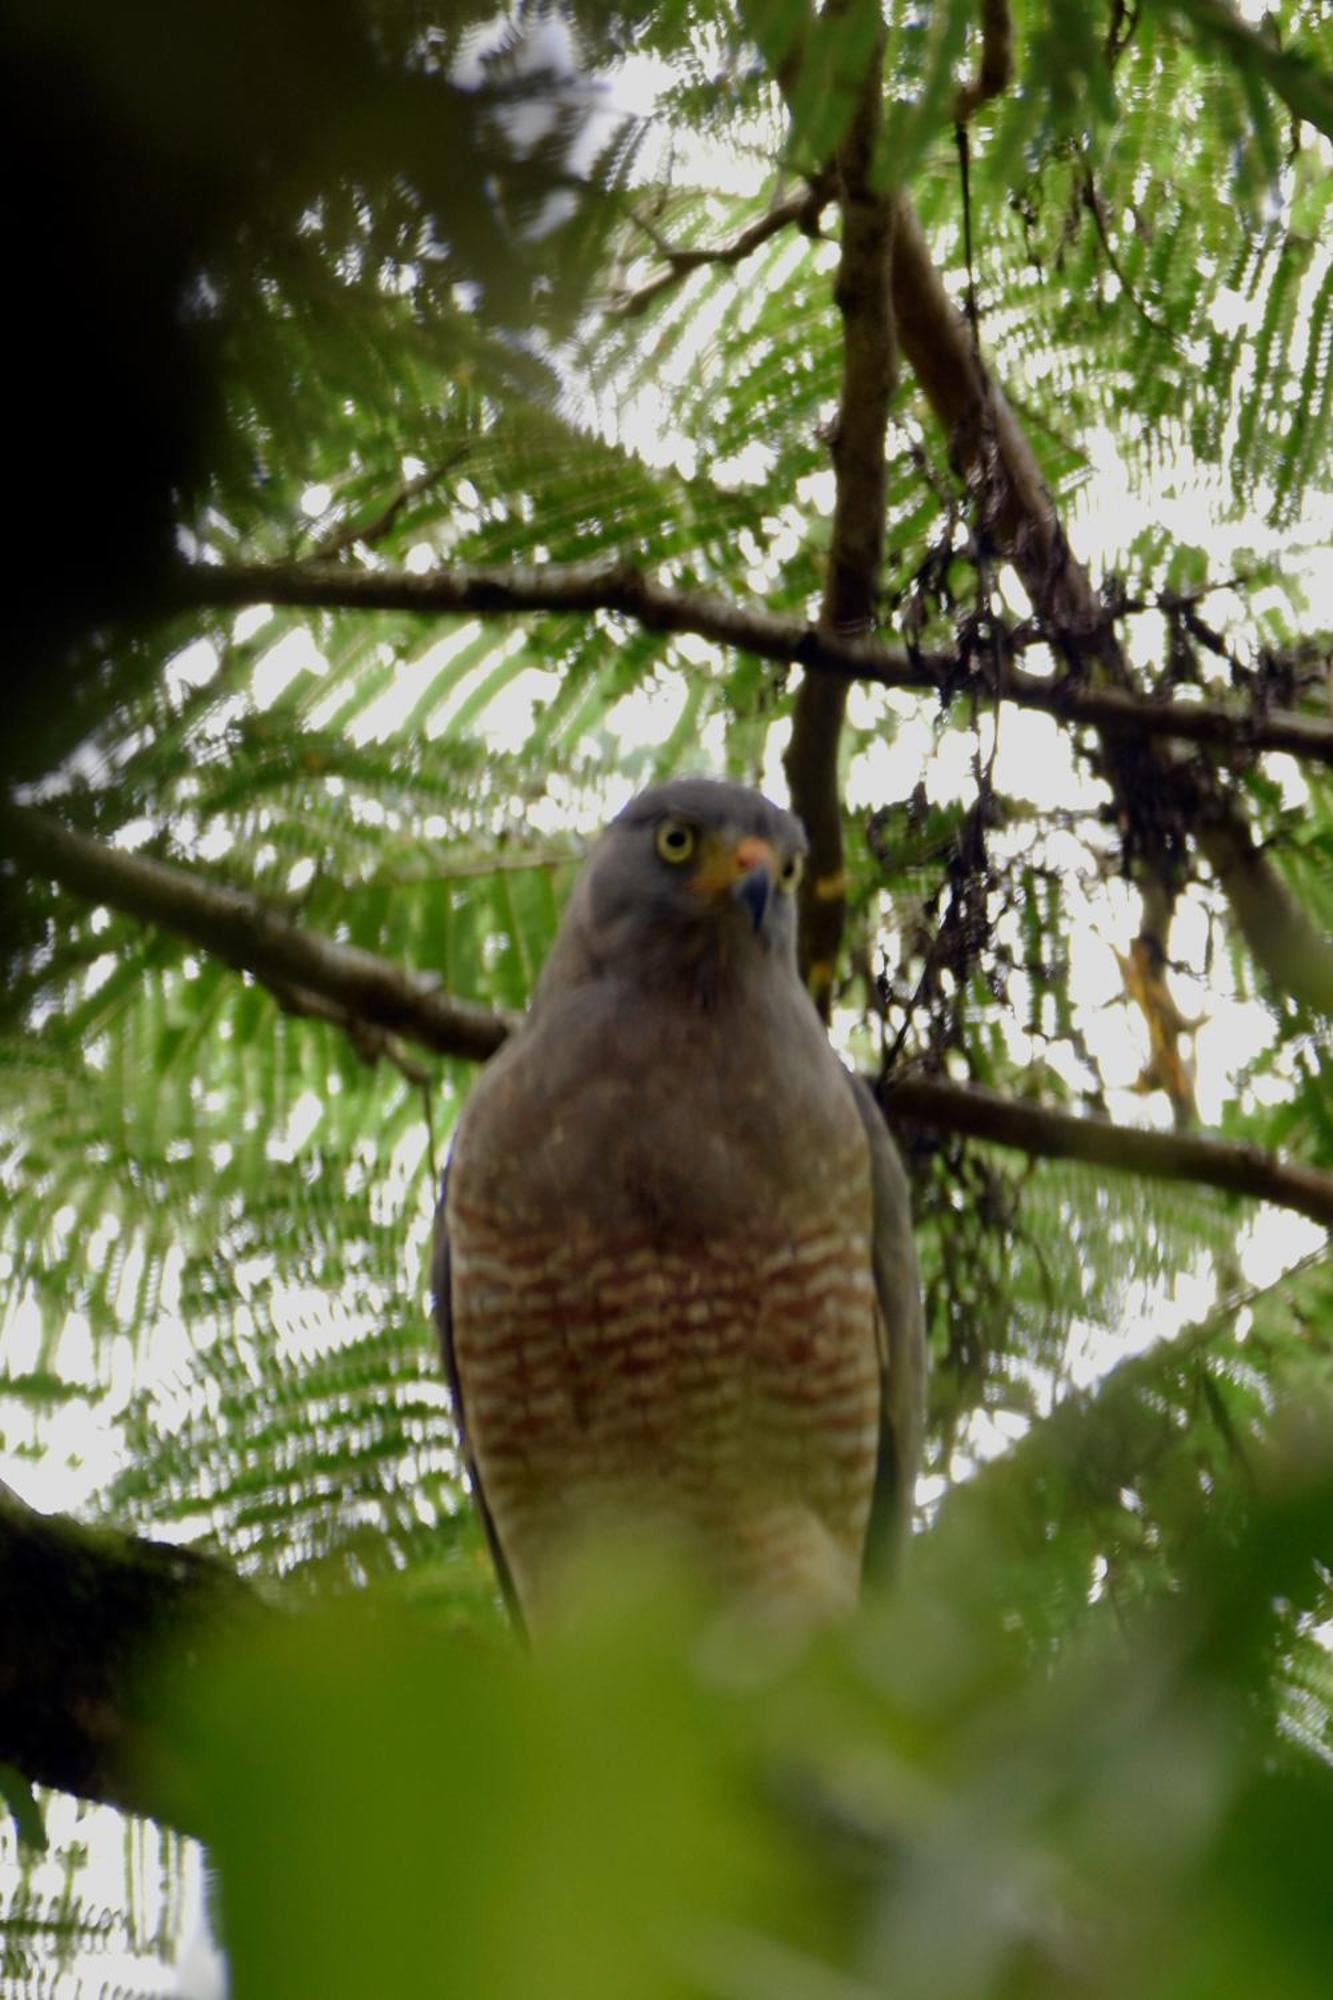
(924, 1804)
(398, 1813)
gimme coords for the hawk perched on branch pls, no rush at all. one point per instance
(674, 1273)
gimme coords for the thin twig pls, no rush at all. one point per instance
(801, 210)
(1092, 201)
(367, 533)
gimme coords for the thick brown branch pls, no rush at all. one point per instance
(449, 1027)
(990, 447)
(996, 67)
(91, 1618)
(1059, 1135)
(620, 587)
(237, 927)
(856, 550)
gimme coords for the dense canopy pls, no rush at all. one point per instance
(921, 412)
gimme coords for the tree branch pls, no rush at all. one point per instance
(1060, 1135)
(256, 939)
(1019, 517)
(486, 591)
(801, 210)
(238, 928)
(996, 68)
(92, 1617)
(863, 293)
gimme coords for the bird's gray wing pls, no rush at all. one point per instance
(902, 1345)
(442, 1301)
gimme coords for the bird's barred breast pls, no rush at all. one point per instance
(727, 1391)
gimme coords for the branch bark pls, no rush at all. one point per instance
(239, 928)
(996, 67)
(92, 1618)
(243, 931)
(1094, 1142)
(863, 293)
(1020, 517)
(800, 210)
(484, 591)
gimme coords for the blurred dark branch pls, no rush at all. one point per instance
(104, 1633)
(616, 586)
(800, 210)
(333, 977)
(996, 67)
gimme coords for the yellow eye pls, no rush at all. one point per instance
(791, 872)
(675, 840)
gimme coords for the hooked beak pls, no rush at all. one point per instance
(744, 870)
(754, 890)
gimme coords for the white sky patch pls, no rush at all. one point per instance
(134, 834)
(214, 842)
(120, 1853)
(646, 717)
(749, 466)
(303, 1117)
(408, 1154)
(95, 978)
(131, 1277)
(817, 491)
(383, 716)
(773, 778)
(442, 715)
(1036, 761)
(246, 623)
(1230, 311)
(310, 1323)
(1275, 1240)
(274, 671)
(193, 667)
(510, 717)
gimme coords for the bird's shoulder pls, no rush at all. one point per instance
(688, 1110)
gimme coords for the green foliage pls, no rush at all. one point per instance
(937, 1801)
(1039, 1773)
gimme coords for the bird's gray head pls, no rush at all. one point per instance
(693, 877)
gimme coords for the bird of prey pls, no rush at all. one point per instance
(674, 1272)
